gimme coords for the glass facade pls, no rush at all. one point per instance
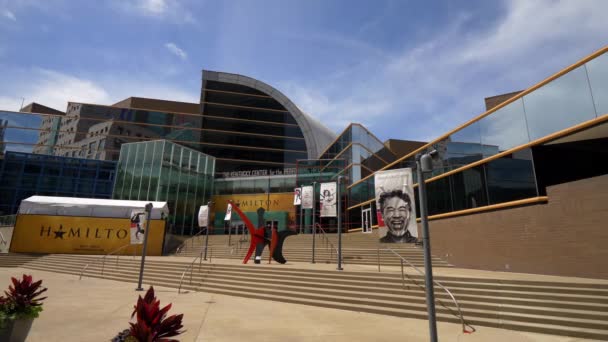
(361, 152)
(25, 174)
(575, 97)
(320, 171)
(248, 129)
(164, 171)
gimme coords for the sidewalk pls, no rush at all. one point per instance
(97, 309)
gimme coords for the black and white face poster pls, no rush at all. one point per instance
(328, 199)
(395, 206)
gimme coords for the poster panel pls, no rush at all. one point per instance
(307, 197)
(328, 199)
(395, 206)
(297, 196)
(228, 216)
(138, 224)
(203, 216)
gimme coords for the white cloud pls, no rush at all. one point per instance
(8, 14)
(174, 49)
(439, 83)
(172, 10)
(54, 89)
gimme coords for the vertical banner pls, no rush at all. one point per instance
(395, 205)
(228, 216)
(297, 196)
(138, 224)
(328, 199)
(307, 193)
(203, 216)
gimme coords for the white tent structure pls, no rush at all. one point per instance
(88, 207)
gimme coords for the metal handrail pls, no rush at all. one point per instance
(103, 260)
(460, 315)
(191, 267)
(191, 239)
(4, 242)
(328, 243)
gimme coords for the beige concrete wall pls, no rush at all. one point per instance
(568, 236)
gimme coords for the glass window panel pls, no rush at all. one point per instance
(504, 129)
(464, 146)
(560, 104)
(511, 178)
(597, 70)
(469, 189)
(439, 196)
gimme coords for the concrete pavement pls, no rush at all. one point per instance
(97, 309)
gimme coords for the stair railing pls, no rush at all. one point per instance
(403, 274)
(191, 267)
(191, 239)
(328, 244)
(103, 259)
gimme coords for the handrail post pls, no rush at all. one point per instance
(378, 259)
(402, 274)
(103, 264)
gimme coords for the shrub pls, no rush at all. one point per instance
(22, 299)
(151, 324)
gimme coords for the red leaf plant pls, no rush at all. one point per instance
(22, 298)
(152, 324)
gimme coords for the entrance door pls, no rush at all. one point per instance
(366, 220)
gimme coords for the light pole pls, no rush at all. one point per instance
(314, 206)
(339, 209)
(208, 225)
(424, 163)
(148, 209)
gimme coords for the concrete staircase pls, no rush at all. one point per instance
(360, 249)
(567, 307)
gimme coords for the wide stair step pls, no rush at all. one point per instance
(552, 307)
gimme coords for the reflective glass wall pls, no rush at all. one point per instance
(247, 129)
(573, 98)
(360, 150)
(26, 174)
(164, 171)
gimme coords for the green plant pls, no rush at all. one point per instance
(152, 324)
(22, 299)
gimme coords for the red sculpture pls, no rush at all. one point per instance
(259, 239)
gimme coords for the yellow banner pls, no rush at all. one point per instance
(251, 203)
(80, 235)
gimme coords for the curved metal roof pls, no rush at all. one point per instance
(316, 135)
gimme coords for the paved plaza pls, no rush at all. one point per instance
(96, 309)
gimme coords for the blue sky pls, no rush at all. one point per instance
(405, 69)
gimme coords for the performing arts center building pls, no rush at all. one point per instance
(512, 184)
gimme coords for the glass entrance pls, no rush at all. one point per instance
(366, 220)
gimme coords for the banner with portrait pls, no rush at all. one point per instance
(228, 216)
(307, 197)
(203, 216)
(297, 196)
(138, 224)
(396, 206)
(328, 199)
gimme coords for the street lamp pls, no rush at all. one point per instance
(339, 209)
(314, 206)
(148, 209)
(208, 225)
(424, 164)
